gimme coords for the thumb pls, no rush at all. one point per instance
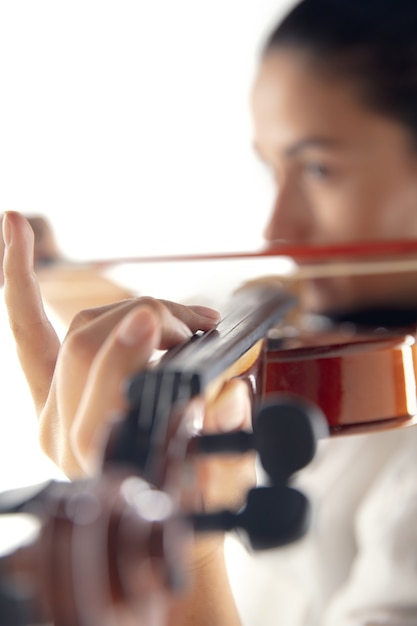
(36, 341)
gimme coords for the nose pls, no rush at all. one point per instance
(290, 219)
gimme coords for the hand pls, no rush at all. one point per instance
(45, 247)
(77, 388)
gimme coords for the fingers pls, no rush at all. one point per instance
(86, 339)
(231, 410)
(126, 351)
(195, 317)
(36, 340)
(90, 328)
(105, 352)
(94, 362)
(225, 479)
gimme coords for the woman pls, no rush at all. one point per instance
(335, 119)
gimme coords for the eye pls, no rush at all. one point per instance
(317, 170)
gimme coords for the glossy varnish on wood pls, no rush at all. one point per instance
(361, 383)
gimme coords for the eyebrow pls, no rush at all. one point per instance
(312, 142)
(305, 144)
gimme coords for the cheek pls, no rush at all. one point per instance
(398, 215)
(361, 210)
(383, 202)
(338, 215)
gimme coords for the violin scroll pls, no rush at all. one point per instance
(114, 545)
(107, 549)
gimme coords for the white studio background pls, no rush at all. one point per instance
(127, 124)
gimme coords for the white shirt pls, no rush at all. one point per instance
(357, 565)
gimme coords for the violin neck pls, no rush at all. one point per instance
(198, 367)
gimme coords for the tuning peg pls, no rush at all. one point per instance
(285, 434)
(272, 517)
(286, 431)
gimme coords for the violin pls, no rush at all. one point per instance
(141, 511)
(359, 370)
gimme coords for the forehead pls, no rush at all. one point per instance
(292, 95)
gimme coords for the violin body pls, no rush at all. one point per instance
(361, 382)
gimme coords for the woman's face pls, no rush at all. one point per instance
(343, 172)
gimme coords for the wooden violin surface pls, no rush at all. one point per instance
(360, 382)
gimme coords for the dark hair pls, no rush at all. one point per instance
(370, 42)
